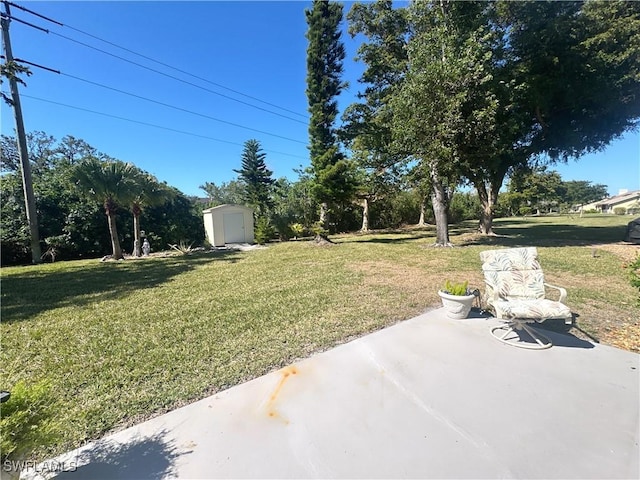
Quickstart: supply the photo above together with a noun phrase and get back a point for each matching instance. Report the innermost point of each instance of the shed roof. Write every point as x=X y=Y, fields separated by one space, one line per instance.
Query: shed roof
x=226 y=206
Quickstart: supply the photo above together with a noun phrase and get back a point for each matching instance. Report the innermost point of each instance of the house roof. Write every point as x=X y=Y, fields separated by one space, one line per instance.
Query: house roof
x=617 y=199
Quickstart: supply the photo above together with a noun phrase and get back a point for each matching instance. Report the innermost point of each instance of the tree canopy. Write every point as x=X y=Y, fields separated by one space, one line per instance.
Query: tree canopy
x=490 y=87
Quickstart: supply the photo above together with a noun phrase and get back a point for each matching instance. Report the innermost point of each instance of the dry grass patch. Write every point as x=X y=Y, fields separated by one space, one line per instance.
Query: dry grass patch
x=626 y=251
x=409 y=290
x=604 y=307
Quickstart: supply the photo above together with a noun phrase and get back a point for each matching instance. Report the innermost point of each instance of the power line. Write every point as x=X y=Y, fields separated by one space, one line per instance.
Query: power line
x=180 y=79
x=183 y=132
x=19 y=60
x=187 y=73
x=160 y=63
x=11 y=17
x=158 y=102
x=177 y=78
x=181 y=109
x=25 y=9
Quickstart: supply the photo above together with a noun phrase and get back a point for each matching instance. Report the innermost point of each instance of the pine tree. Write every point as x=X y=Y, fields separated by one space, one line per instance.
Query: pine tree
x=332 y=174
x=256 y=178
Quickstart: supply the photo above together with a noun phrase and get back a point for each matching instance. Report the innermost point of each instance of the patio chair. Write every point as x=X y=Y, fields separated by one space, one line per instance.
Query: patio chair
x=515 y=291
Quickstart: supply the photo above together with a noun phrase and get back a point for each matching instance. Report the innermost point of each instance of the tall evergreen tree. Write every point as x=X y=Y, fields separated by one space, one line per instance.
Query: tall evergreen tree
x=333 y=179
x=256 y=178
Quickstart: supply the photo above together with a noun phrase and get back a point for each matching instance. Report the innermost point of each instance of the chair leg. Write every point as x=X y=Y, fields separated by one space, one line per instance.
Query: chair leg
x=513 y=326
x=540 y=339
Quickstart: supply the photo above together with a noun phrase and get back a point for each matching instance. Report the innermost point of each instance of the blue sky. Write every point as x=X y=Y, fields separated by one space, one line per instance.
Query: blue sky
x=254 y=48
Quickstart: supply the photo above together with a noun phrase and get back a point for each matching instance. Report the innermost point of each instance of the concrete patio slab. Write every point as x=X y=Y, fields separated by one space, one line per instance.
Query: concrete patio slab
x=429 y=397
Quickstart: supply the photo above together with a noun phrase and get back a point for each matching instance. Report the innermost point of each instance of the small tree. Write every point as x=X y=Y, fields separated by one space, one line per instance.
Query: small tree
x=111 y=183
x=256 y=179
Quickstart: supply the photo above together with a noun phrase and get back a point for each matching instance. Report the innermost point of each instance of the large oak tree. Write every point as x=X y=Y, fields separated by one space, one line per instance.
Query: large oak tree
x=495 y=86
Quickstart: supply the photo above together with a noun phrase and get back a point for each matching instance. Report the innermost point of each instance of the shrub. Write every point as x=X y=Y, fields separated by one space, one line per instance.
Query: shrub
x=634 y=275
x=183 y=248
x=297 y=229
x=264 y=230
x=282 y=228
x=55 y=246
x=524 y=211
x=619 y=210
x=318 y=229
x=464 y=206
x=25 y=421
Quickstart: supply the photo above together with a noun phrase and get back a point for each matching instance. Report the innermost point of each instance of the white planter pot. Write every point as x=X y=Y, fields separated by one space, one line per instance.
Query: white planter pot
x=457 y=306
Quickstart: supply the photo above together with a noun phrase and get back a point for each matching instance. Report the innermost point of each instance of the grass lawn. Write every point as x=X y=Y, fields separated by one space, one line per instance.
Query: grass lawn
x=123 y=341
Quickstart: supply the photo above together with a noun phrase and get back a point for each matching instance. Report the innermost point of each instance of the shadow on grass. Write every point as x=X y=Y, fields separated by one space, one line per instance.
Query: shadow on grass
x=37 y=289
x=378 y=239
x=142 y=458
x=513 y=233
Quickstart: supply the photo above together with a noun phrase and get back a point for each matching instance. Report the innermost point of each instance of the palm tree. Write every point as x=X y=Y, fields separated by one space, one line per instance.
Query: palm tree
x=148 y=192
x=110 y=182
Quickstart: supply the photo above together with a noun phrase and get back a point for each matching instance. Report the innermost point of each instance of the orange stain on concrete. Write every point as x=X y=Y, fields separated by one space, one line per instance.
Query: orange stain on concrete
x=286 y=373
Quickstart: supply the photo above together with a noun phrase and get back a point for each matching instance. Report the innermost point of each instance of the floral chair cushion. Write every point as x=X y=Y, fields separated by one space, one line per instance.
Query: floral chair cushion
x=515 y=285
x=513 y=273
x=538 y=309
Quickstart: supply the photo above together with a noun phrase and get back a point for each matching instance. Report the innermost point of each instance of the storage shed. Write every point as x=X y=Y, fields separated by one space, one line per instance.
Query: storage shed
x=228 y=224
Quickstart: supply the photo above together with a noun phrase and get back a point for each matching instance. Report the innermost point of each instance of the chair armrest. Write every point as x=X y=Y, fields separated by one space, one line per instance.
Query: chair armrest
x=563 y=292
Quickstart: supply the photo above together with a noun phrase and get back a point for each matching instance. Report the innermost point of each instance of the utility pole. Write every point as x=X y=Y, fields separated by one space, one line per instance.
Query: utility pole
x=27 y=183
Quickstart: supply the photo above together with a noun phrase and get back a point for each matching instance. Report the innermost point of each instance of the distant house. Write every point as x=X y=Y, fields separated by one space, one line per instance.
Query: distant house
x=629 y=201
x=587 y=207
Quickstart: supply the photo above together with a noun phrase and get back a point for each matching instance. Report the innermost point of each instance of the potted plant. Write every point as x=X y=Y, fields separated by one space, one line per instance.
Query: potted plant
x=457 y=299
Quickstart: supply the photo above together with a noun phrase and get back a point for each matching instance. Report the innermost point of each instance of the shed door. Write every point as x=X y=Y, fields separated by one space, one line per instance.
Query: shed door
x=233 y=227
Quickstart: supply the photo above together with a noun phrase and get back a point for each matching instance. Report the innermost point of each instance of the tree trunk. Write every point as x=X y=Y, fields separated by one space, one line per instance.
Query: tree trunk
x=439 y=199
x=321 y=238
x=324 y=215
x=137 y=242
x=115 y=243
x=365 y=215
x=423 y=207
x=488 y=199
